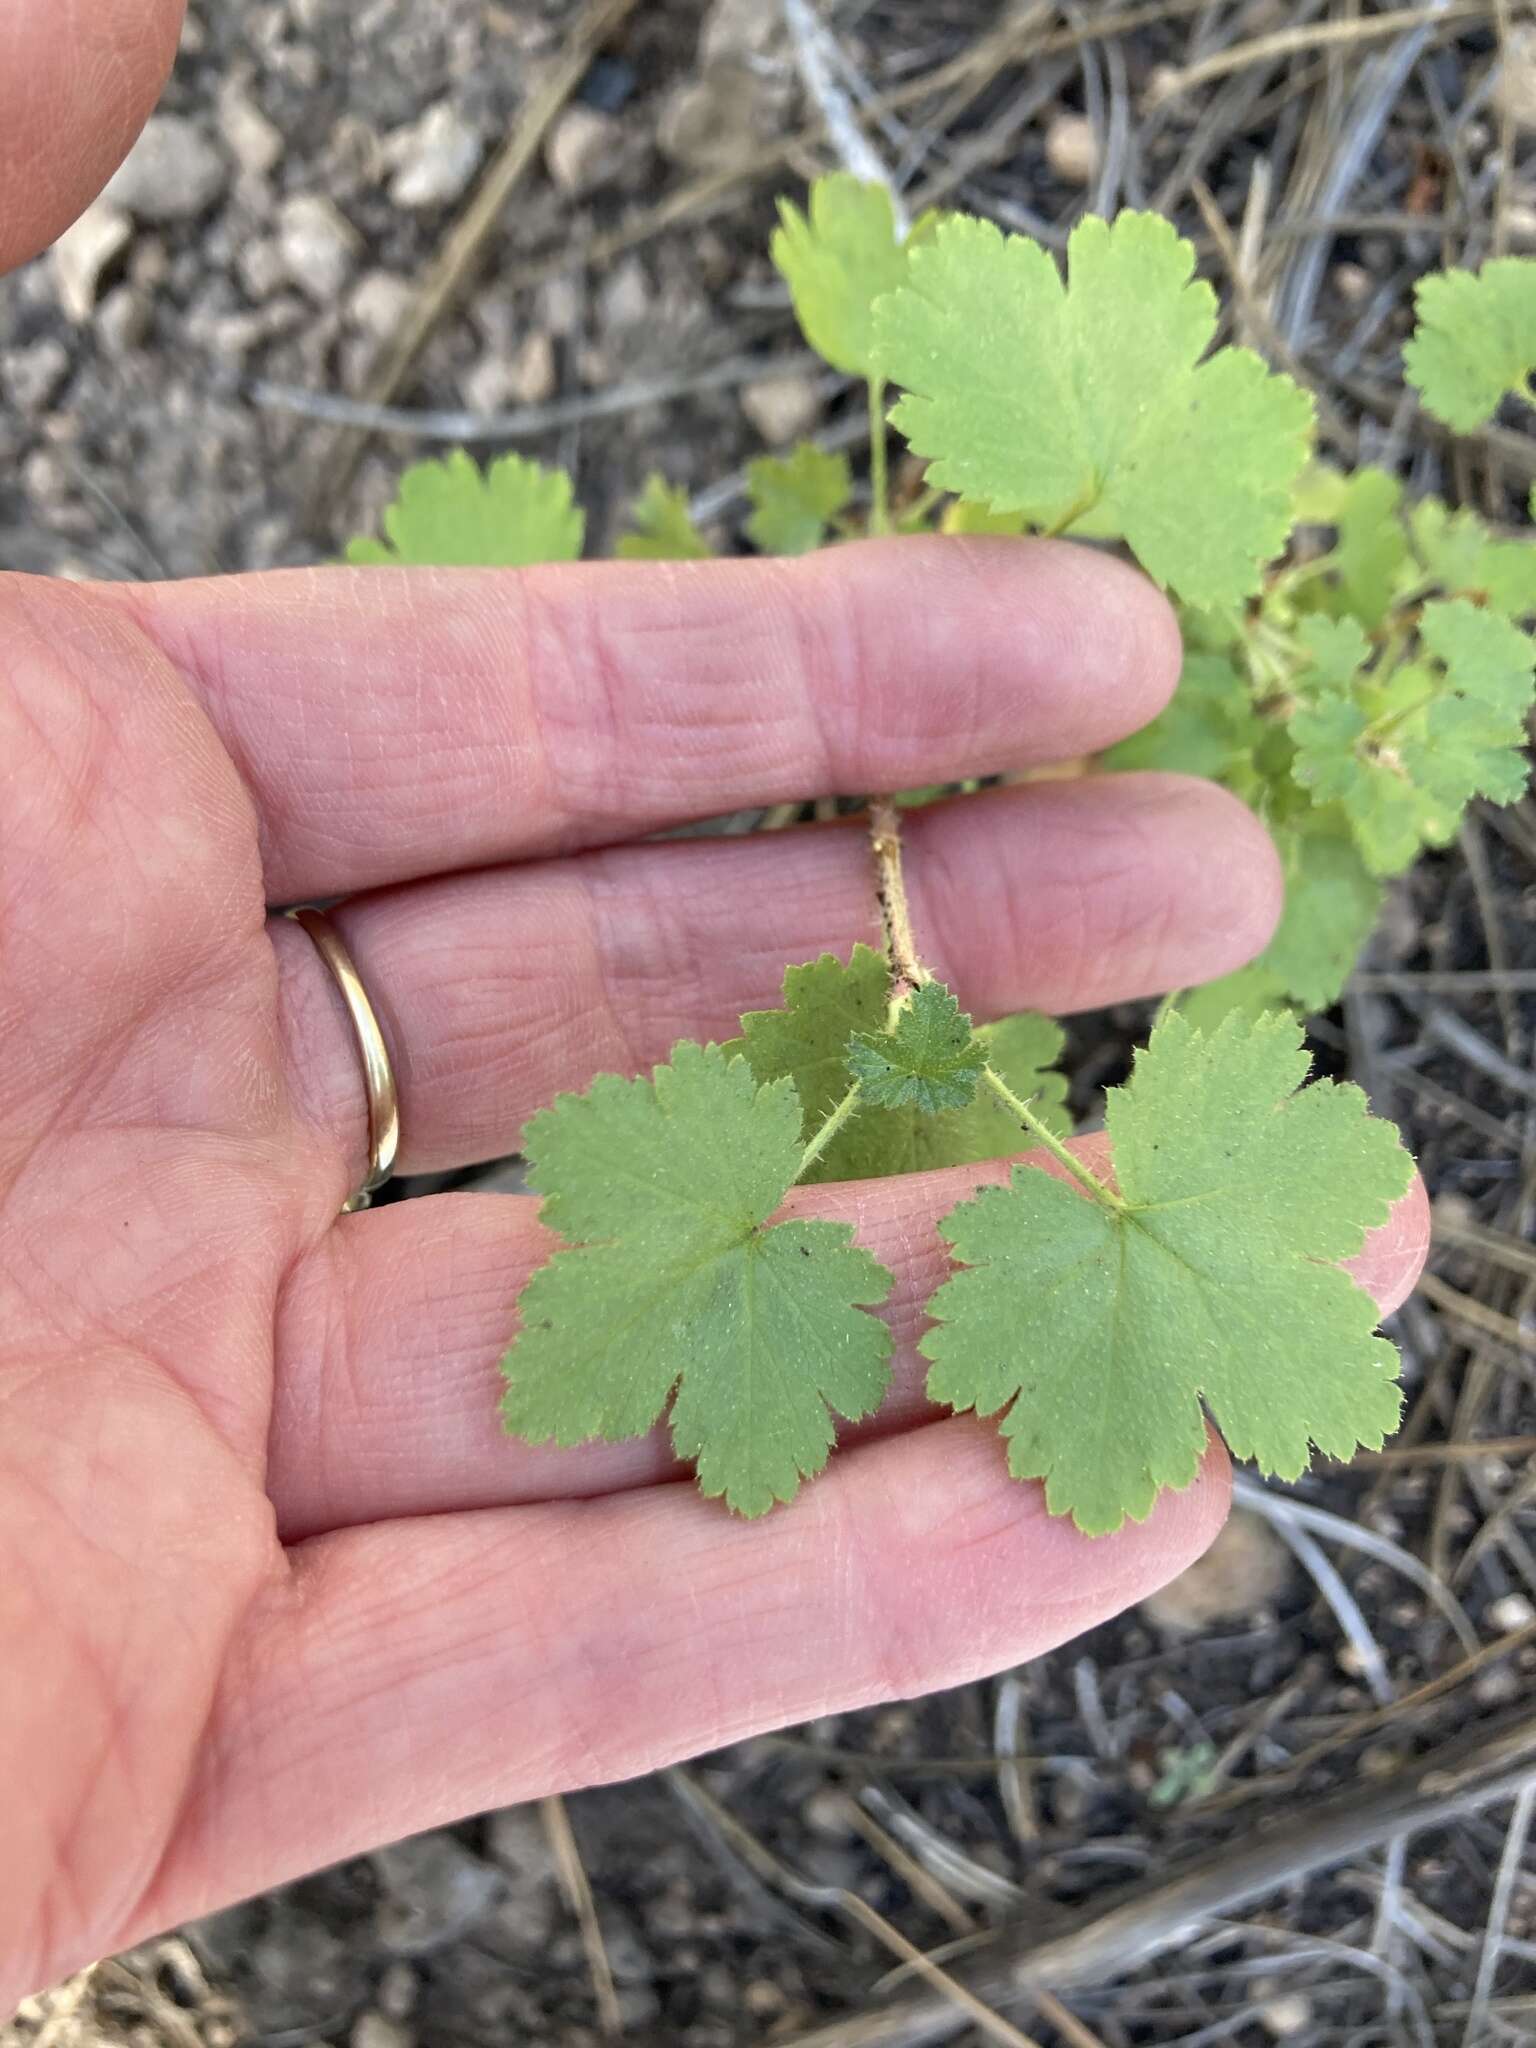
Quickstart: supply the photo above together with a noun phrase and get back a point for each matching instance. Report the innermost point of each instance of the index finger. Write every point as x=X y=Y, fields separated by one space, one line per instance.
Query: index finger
x=392 y=724
x=77 y=78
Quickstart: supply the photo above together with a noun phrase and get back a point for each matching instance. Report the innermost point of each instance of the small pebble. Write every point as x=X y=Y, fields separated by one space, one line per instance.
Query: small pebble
x=319 y=245
x=1072 y=149
x=255 y=143
x=84 y=253
x=1510 y=1612
x=782 y=408
x=172 y=172
x=377 y=2030
x=1243 y=1573
x=579 y=147
x=435 y=158
x=1284 y=2018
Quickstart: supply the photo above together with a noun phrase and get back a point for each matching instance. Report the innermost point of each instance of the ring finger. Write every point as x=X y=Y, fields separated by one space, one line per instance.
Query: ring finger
x=499 y=988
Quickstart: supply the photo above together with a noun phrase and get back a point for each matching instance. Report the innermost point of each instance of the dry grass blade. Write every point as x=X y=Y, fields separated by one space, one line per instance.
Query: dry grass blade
x=1498 y=1916
x=460 y=255
x=1446 y=1785
x=578 y=1892
x=1463 y=1309
x=1287 y=42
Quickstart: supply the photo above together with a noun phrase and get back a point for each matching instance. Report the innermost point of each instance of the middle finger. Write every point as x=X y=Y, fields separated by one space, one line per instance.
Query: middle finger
x=498 y=989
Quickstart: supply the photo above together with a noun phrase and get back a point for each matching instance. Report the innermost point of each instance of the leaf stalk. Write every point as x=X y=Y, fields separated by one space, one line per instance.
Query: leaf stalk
x=1100 y=1192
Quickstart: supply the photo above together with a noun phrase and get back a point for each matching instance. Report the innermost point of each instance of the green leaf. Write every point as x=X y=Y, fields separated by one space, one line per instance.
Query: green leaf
x=1338 y=763
x=678 y=1288
x=1099 y=1333
x=1208 y=729
x=1457 y=553
x=825 y=1005
x=929 y=1060
x=1472 y=736
x=837 y=261
x=1372 y=547
x=1088 y=407
x=1332 y=902
x=1475 y=340
x=962 y=515
x=1335 y=651
x=664 y=528
x=455 y=514
x=796 y=498
x=1251 y=992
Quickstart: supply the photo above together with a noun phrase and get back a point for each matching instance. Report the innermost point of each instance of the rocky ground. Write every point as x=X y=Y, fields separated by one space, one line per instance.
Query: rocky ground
x=165 y=380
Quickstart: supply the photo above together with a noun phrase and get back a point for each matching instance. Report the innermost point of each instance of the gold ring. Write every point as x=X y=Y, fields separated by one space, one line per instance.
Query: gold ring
x=378 y=1074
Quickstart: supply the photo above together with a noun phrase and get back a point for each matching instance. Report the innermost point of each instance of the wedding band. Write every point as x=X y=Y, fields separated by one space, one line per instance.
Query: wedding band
x=378 y=1074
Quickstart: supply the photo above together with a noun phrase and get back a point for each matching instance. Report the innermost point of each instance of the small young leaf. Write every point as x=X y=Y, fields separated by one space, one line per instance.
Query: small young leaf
x=930 y=1060
x=678 y=1288
x=837 y=262
x=1405 y=758
x=796 y=498
x=1457 y=553
x=825 y=1004
x=1208 y=729
x=455 y=514
x=1372 y=546
x=1088 y=406
x=1475 y=340
x=1101 y=1332
x=1331 y=903
x=1336 y=650
x=664 y=528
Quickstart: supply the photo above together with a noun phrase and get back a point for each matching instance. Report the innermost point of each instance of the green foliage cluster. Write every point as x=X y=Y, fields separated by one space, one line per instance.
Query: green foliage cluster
x=1356 y=669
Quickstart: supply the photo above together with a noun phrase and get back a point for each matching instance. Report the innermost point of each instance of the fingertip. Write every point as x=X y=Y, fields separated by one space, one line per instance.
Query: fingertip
x=1392 y=1258
x=77 y=83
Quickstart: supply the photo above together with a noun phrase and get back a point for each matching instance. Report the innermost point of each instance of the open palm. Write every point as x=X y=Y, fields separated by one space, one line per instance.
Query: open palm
x=273 y=1587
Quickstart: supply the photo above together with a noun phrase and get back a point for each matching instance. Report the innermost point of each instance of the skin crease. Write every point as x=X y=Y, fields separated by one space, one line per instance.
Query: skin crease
x=272 y=1589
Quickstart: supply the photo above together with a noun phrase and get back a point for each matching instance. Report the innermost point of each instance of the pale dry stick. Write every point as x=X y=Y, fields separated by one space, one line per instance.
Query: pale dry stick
x=1436 y=1790
x=1495 y=1245
x=1473 y=981
x=1269 y=338
x=451 y=424
x=907 y=970
x=460 y=254
x=1498 y=1914
x=856 y=153
x=1250 y=243
x=1015 y=1775
x=838 y=1899
x=1372 y=1718
x=1456 y=1033
x=1463 y=1309
x=1453 y=1453
x=983 y=59
x=572 y=1873
x=1285 y=42
x=918 y=1880
x=947 y=1862
x=1355 y=1536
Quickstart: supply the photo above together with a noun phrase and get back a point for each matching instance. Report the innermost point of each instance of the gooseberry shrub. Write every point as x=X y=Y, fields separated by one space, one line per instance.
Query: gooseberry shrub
x=1356 y=669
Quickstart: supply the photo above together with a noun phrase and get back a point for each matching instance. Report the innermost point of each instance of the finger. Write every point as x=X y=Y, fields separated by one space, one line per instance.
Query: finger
x=390 y=1334
x=394 y=724
x=77 y=81
x=498 y=989
x=411 y=1673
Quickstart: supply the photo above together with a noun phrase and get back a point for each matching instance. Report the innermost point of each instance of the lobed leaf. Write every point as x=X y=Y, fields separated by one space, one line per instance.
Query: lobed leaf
x=826 y=1004
x=664 y=529
x=1097 y=1335
x=1093 y=406
x=929 y=1059
x=837 y=259
x=795 y=499
x=453 y=513
x=675 y=1286
x=1475 y=341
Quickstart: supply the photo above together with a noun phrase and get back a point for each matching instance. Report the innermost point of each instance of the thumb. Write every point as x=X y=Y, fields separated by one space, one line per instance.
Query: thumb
x=77 y=81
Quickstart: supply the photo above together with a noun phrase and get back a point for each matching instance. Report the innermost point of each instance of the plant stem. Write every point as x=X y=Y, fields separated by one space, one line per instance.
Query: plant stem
x=1106 y=1196
x=879 y=468
x=828 y=1131
x=907 y=970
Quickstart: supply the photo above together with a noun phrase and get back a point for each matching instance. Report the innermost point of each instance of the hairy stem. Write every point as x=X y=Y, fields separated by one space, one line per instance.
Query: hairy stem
x=907 y=970
x=828 y=1131
x=879 y=468
x=1106 y=1196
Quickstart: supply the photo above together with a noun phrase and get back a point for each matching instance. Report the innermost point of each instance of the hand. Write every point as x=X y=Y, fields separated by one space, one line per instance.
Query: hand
x=273 y=1587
